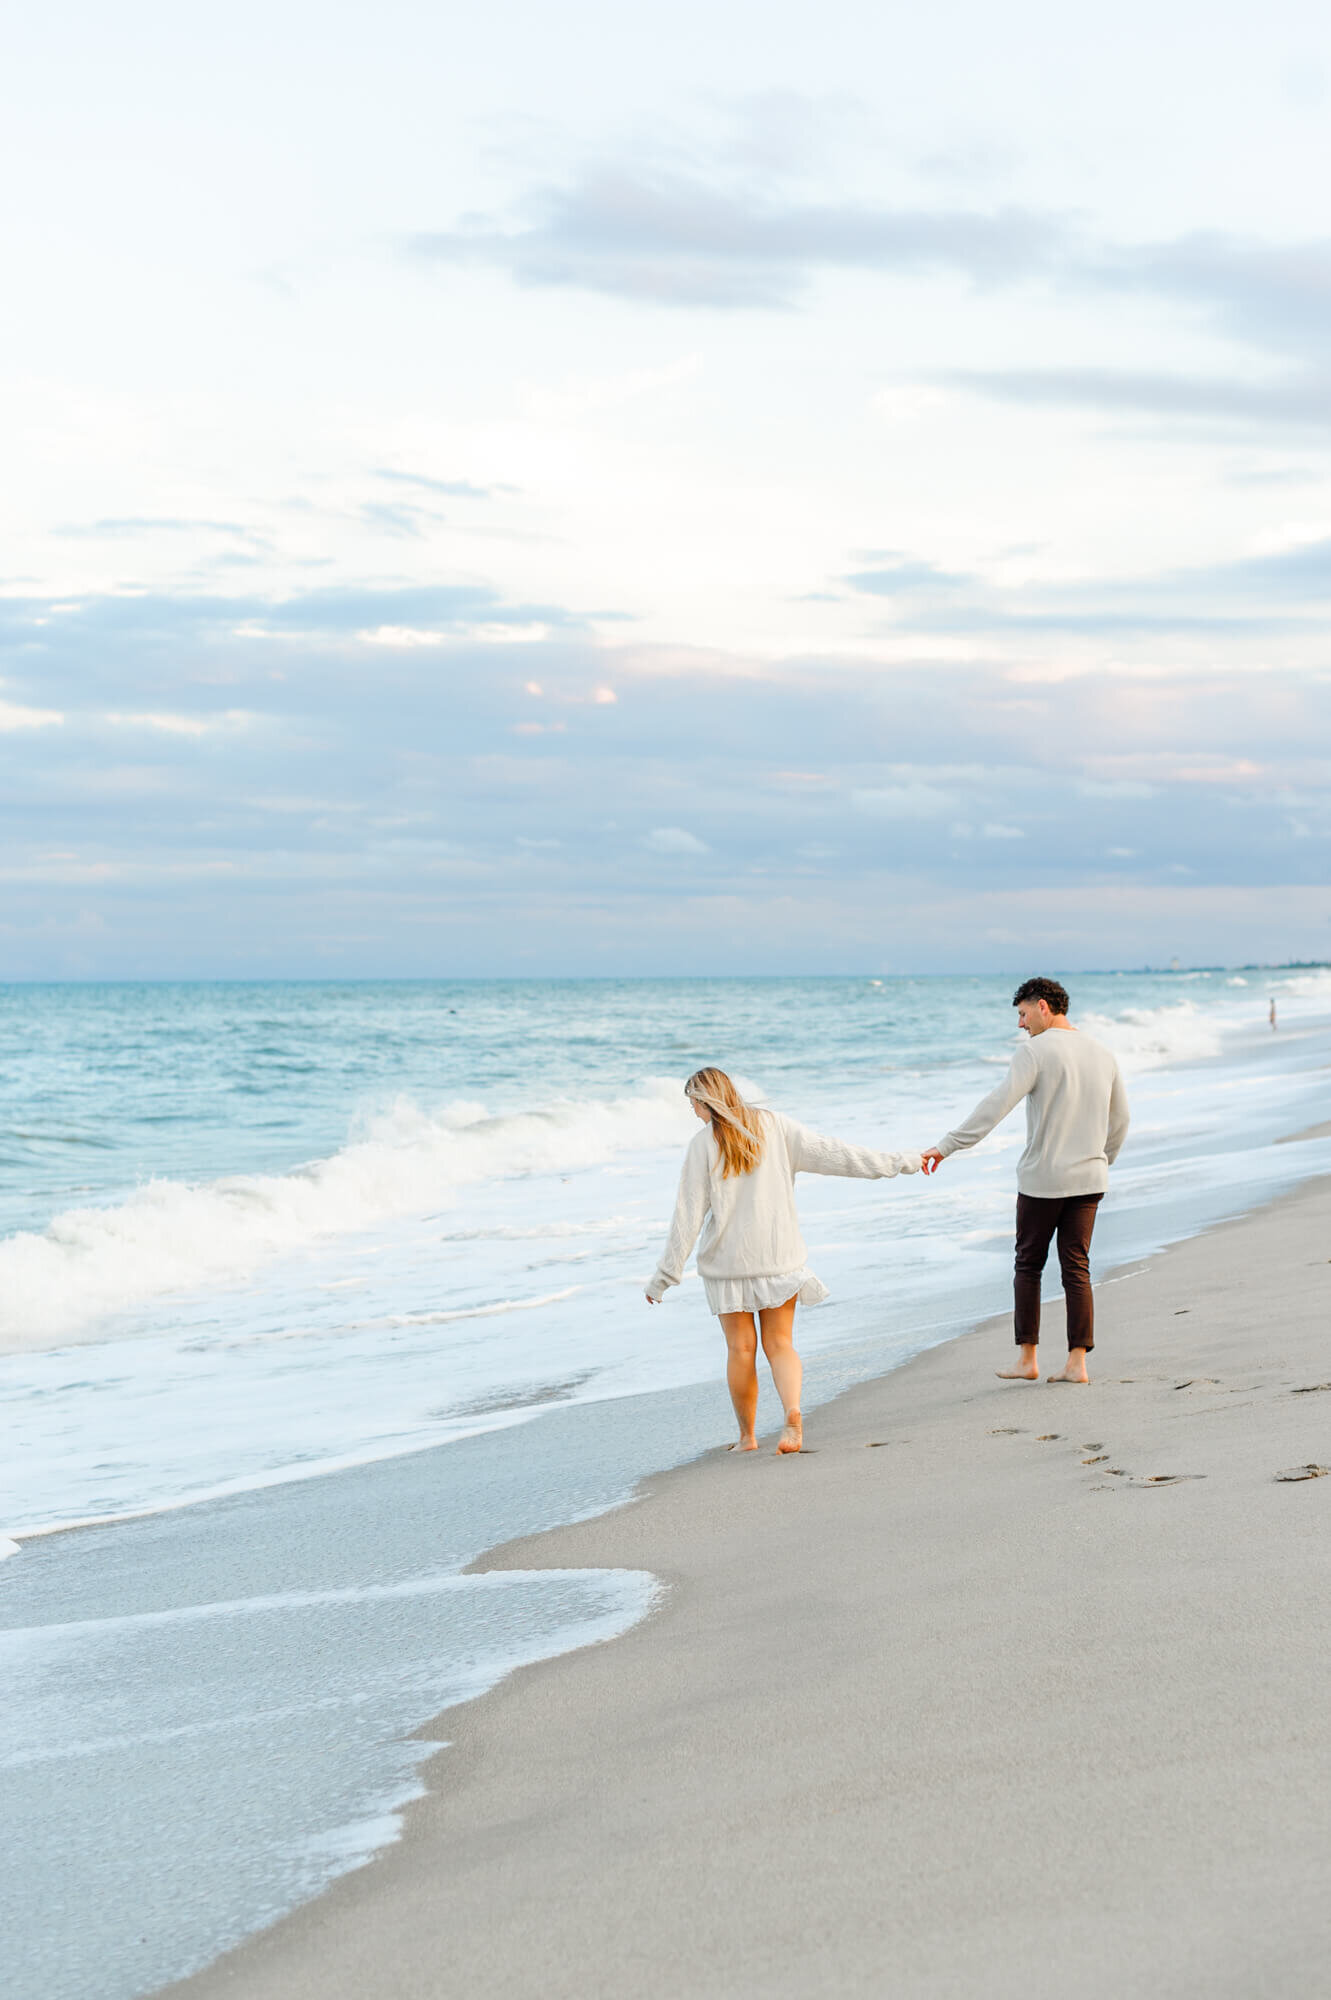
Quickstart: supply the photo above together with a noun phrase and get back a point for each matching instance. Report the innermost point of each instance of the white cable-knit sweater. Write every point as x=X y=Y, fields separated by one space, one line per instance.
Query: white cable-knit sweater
x=748 y=1221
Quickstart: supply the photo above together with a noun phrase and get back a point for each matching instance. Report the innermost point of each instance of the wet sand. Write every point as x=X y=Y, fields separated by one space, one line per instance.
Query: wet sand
x=1000 y=1689
x=1322 y=1131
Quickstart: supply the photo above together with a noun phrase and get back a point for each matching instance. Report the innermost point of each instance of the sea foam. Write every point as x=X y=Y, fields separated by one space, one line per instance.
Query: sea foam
x=170 y=1235
x=1149 y=1037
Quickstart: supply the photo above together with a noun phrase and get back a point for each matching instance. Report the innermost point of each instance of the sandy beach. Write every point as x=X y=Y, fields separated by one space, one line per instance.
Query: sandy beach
x=1000 y=1689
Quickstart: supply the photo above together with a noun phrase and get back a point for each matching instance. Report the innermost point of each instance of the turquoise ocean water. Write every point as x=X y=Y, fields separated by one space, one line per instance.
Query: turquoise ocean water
x=313 y=1292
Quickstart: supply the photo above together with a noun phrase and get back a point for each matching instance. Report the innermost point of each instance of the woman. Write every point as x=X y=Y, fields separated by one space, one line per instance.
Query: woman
x=737 y=1187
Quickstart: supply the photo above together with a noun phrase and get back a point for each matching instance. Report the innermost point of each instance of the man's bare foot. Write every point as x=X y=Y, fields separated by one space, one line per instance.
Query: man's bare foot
x=1026 y=1368
x=743 y=1444
x=1072 y=1373
x=792 y=1437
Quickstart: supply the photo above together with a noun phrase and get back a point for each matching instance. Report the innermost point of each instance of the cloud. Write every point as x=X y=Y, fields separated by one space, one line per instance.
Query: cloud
x=684 y=239
x=438 y=607
x=337 y=612
x=378 y=804
x=132 y=526
x=902 y=802
x=1301 y=397
x=899 y=576
x=673 y=840
x=397 y=519
x=452 y=489
x=184 y=725
x=1283 y=589
x=1272 y=295
x=13 y=716
x=729 y=231
x=1275 y=298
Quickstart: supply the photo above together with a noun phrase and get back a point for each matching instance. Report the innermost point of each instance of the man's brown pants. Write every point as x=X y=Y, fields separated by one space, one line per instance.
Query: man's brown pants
x=1039 y=1218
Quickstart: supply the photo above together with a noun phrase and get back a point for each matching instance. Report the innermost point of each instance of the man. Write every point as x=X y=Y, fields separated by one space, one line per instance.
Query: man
x=1076 y=1120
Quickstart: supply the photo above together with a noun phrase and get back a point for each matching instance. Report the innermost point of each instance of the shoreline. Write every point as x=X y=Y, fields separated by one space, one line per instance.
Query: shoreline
x=622 y=1768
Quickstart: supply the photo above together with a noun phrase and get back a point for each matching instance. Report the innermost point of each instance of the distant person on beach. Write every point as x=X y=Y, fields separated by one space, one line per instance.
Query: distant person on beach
x=1076 y=1121
x=1272 y=1016
x=737 y=1188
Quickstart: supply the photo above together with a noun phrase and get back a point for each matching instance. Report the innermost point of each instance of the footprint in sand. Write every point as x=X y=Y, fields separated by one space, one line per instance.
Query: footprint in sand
x=1096 y=1461
x=1152 y=1478
x=1304 y=1472
x=1313 y=1389
x=1006 y=1431
x=1048 y=1437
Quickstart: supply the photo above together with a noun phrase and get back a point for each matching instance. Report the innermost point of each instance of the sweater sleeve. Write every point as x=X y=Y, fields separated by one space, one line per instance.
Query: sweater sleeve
x=991 y=1110
x=691 y=1205
x=813 y=1153
x=1119 y=1118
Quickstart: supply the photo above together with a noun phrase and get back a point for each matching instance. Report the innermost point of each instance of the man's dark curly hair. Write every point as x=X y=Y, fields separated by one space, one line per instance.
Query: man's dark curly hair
x=1043 y=989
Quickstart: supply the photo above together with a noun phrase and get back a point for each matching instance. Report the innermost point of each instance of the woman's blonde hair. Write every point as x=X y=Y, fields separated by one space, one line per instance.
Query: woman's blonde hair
x=735 y=1124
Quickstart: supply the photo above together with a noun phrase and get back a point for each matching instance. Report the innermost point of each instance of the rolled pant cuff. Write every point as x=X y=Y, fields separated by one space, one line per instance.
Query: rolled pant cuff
x=1087 y=1347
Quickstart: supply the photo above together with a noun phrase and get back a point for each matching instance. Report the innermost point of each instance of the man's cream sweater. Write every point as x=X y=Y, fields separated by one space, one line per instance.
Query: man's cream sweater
x=1076 y=1114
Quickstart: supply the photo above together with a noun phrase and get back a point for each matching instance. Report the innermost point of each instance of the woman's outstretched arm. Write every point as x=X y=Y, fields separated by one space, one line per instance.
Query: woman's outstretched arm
x=691 y=1206
x=814 y=1153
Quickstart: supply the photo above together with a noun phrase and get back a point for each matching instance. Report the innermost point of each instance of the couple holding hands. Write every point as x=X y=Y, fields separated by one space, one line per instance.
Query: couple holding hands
x=736 y=1190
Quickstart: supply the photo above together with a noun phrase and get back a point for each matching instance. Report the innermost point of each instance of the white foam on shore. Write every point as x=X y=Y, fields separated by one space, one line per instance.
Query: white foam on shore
x=171 y=1235
x=1151 y=1037
x=638 y=1588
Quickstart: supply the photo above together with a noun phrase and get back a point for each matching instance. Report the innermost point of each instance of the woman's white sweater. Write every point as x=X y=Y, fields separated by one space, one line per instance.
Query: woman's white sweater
x=748 y=1221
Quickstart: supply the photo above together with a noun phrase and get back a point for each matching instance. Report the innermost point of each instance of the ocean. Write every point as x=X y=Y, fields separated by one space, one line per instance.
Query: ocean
x=310 y=1293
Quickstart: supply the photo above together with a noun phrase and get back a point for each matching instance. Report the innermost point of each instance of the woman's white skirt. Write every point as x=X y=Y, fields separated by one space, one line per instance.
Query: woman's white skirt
x=748 y=1295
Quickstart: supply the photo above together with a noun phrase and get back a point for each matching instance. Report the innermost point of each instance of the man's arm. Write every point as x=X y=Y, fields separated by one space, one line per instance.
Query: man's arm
x=1119 y=1118
x=994 y=1108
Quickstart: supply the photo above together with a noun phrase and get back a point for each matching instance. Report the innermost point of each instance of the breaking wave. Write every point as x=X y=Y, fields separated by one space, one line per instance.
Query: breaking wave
x=170 y=1236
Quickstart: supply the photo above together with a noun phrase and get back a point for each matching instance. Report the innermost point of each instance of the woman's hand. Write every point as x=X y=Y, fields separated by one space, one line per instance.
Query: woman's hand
x=931 y=1160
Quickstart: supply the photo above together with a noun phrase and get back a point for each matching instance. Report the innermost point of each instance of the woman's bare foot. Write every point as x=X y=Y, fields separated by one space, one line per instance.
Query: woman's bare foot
x=792 y=1437
x=1070 y=1374
x=743 y=1444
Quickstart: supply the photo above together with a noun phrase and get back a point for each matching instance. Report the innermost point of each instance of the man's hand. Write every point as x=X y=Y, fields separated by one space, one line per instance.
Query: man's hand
x=931 y=1160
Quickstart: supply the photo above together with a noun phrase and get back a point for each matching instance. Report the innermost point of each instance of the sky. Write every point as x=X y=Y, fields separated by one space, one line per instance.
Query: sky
x=628 y=490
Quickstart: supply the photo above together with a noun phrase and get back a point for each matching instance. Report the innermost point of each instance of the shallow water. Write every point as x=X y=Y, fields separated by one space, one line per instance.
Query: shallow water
x=261 y=1234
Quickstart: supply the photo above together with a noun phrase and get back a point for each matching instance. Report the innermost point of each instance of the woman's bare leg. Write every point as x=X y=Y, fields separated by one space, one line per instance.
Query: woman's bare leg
x=778 y=1323
x=742 y=1374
